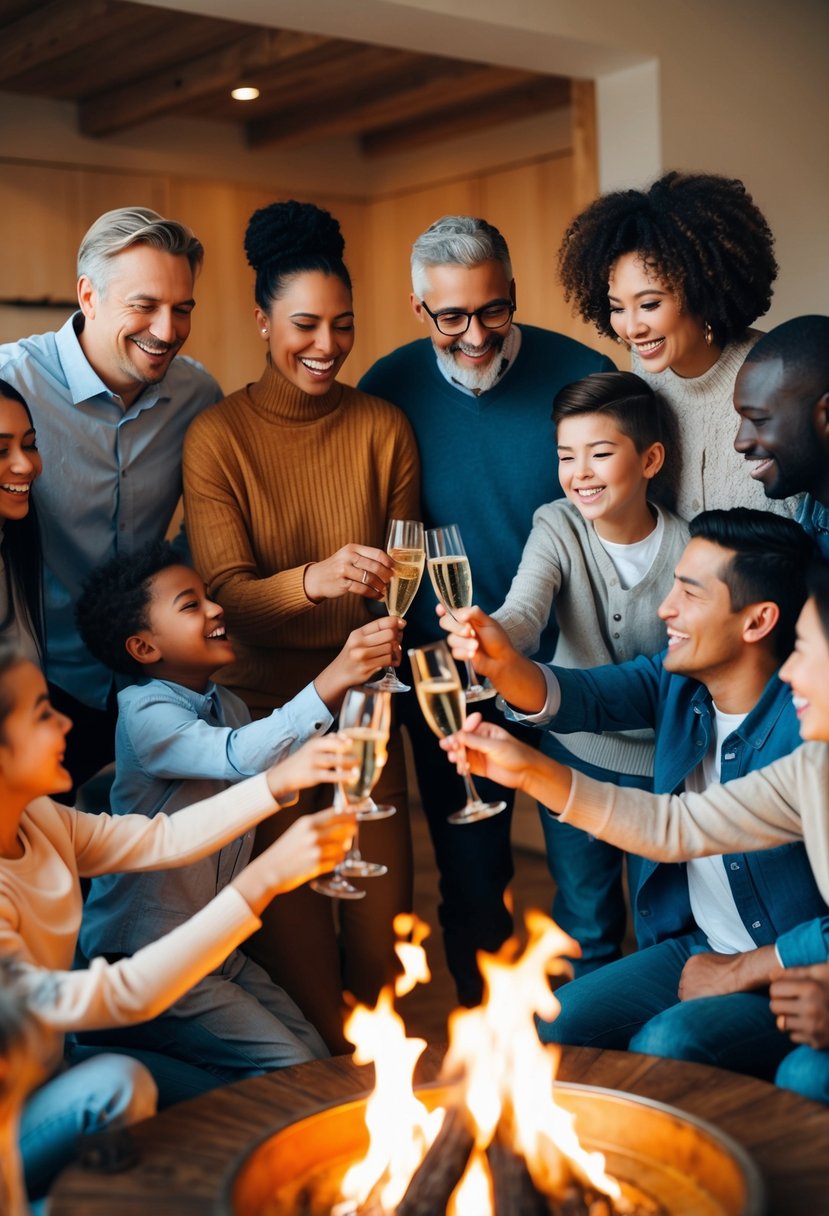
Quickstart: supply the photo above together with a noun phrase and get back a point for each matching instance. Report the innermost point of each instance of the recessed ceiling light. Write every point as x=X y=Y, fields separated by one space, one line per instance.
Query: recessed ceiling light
x=245 y=92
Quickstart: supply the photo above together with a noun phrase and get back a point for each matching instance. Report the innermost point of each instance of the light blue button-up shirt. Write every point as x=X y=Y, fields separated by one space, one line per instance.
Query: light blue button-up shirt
x=174 y=747
x=111 y=476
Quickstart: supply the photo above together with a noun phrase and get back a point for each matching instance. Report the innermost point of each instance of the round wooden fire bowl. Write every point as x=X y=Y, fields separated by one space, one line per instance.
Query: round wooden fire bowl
x=685 y=1166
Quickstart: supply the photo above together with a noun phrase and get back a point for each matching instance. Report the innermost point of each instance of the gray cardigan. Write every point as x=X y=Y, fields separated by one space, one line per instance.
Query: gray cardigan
x=565 y=566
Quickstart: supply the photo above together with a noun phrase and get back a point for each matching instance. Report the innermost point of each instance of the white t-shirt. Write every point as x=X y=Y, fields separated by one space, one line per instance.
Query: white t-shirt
x=712 y=901
x=632 y=562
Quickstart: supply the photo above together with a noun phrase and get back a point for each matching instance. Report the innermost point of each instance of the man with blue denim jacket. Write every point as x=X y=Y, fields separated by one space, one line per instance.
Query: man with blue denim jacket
x=782 y=397
x=707 y=929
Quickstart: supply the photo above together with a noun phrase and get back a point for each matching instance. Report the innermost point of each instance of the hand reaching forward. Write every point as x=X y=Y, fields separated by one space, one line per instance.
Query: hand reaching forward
x=367 y=649
x=477 y=637
x=490 y=751
x=322 y=760
x=352 y=570
x=313 y=845
x=800 y=999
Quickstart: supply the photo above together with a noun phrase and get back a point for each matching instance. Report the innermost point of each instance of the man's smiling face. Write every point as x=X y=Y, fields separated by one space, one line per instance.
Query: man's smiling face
x=778 y=431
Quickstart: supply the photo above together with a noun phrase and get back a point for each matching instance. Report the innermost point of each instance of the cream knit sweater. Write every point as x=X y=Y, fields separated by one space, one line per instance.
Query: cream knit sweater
x=41 y=905
x=702 y=469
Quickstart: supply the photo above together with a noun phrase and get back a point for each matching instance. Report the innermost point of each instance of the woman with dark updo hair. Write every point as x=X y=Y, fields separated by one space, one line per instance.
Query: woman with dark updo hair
x=677 y=274
x=289 y=484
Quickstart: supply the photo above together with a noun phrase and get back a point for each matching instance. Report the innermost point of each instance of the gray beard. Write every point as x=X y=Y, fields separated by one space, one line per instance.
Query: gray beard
x=479 y=380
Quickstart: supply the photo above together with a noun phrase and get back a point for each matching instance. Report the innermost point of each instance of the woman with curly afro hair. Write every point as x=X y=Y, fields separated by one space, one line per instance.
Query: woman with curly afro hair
x=289 y=484
x=678 y=274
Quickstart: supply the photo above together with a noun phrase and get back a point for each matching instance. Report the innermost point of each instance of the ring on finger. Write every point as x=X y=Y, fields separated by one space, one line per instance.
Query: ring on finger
x=365 y=577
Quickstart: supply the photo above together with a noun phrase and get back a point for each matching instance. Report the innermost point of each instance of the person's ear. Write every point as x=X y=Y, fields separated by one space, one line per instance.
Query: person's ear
x=512 y=295
x=87 y=296
x=821 y=416
x=653 y=459
x=417 y=308
x=142 y=649
x=262 y=322
x=760 y=620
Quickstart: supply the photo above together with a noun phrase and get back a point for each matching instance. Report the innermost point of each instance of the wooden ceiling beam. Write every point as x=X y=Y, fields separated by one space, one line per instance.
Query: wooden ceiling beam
x=213 y=73
x=543 y=93
x=46 y=33
x=430 y=84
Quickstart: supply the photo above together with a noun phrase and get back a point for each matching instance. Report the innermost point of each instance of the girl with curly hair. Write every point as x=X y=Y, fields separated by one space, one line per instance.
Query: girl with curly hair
x=289 y=484
x=678 y=274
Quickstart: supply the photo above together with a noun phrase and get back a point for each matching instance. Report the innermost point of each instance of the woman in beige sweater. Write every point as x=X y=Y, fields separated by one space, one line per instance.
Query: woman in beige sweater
x=288 y=485
x=46 y=848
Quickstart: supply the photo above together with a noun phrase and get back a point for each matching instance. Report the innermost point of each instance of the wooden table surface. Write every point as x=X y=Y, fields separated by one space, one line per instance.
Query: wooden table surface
x=185 y=1152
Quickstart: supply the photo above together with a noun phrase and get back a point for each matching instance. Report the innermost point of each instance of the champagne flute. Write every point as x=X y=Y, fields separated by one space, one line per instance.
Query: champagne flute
x=404 y=545
x=365 y=718
x=440 y=696
x=452 y=580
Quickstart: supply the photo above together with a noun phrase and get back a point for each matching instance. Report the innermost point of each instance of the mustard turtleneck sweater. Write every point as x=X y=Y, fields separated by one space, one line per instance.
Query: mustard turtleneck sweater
x=275 y=479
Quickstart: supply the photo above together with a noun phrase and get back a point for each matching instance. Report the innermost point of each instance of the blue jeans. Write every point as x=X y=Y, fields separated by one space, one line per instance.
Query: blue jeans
x=806 y=1071
x=234 y=1023
x=634 y=1004
x=103 y=1093
x=589 y=901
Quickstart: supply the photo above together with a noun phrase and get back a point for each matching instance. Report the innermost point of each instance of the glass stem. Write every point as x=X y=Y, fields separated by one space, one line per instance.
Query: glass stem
x=341 y=804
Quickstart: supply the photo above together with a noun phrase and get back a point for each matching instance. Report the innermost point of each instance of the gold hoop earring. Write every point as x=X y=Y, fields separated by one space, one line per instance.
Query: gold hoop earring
x=708 y=333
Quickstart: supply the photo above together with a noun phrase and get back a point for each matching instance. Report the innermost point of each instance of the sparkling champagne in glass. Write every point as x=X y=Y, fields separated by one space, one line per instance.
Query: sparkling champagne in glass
x=365 y=719
x=452 y=581
x=441 y=698
x=404 y=545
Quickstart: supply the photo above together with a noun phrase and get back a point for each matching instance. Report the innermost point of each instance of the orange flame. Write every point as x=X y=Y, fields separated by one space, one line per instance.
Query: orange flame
x=505 y=1076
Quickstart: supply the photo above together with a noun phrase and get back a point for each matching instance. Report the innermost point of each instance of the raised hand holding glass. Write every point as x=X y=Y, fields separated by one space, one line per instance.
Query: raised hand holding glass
x=404 y=545
x=441 y=698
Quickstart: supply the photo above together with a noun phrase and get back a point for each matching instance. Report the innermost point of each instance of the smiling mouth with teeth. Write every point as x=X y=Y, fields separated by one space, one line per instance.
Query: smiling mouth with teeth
x=317 y=365
x=646 y=347
x=590 y=491
x=18 y=489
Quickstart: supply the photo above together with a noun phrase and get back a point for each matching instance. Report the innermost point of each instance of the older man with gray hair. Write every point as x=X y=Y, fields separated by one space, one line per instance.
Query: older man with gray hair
x=111 y=403
x=478 y=393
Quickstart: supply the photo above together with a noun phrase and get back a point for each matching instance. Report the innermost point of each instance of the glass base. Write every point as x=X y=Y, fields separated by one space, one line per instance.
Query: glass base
x=356 y=867
x=473 y=811
x=390 y=683
x=479 y=692
x=367 y=814
x=336 y=887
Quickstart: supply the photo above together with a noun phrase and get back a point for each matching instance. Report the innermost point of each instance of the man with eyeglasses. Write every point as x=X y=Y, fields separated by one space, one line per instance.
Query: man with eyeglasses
x=479 y=396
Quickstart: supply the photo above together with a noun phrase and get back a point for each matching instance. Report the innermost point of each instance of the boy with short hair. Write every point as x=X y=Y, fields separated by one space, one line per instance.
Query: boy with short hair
x=180 y=737
x=602 y=558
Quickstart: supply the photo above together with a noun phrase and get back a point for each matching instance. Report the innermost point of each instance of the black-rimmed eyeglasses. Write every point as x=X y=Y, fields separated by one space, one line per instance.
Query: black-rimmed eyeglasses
x=452 y=322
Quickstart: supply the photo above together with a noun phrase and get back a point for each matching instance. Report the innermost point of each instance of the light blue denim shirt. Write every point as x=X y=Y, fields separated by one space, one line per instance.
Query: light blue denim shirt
x=174 y=747
x=111 y=477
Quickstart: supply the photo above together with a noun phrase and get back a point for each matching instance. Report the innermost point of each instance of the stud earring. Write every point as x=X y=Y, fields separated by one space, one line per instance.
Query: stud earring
x=622 y=342
x=708 y=333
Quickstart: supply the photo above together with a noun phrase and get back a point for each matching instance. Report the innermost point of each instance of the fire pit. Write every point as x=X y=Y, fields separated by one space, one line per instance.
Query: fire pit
x=665 y=1160
x=499 y=1136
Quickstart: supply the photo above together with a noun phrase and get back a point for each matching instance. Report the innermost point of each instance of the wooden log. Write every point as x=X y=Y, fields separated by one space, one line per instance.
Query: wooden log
x=513 y=1191
x=441 y=1169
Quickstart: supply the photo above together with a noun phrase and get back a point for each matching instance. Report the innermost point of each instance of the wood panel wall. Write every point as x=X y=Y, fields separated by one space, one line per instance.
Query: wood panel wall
x=47 y=208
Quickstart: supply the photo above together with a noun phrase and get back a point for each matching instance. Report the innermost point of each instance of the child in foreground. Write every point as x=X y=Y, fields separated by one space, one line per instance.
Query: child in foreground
x=45 y=849
x=181 y=737
x=603 y=559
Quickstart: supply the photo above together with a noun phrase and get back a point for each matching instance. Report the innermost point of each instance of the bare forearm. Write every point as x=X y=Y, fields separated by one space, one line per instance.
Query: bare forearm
x=521 y=683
